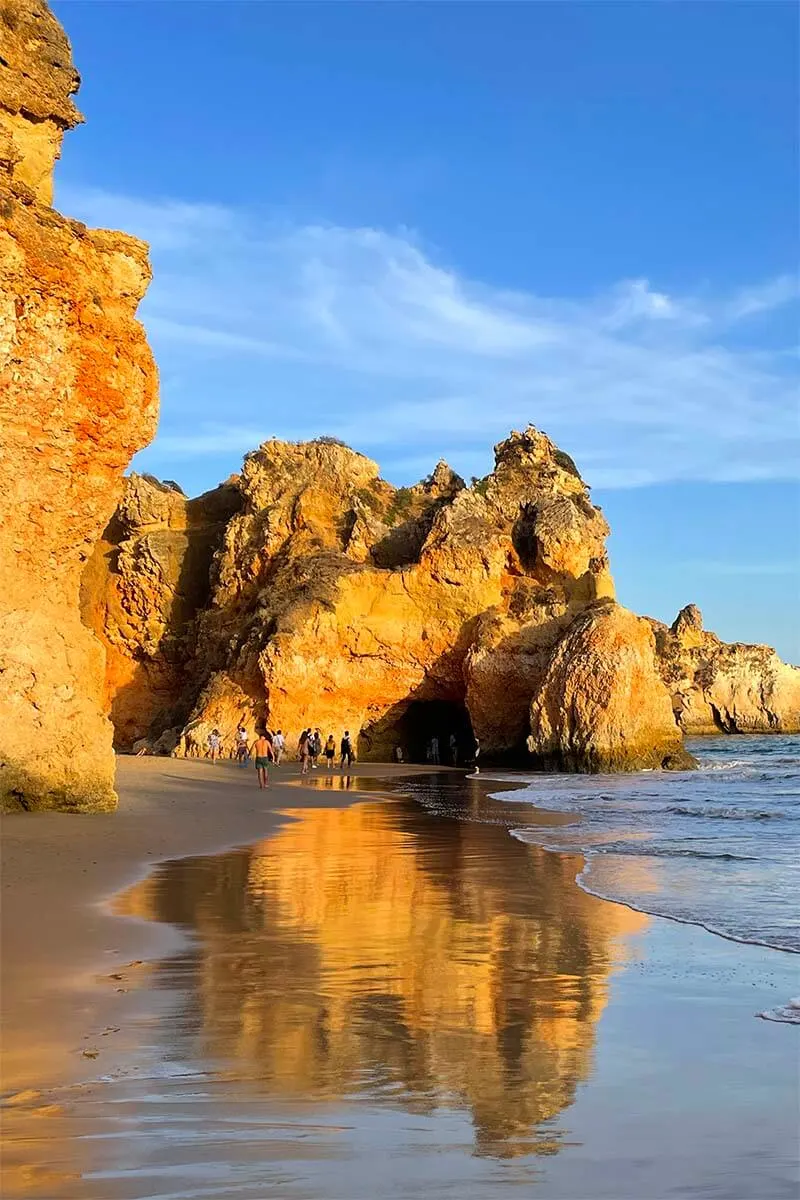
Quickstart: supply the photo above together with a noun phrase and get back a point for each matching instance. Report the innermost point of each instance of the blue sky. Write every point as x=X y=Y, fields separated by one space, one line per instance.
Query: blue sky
x=416 y=226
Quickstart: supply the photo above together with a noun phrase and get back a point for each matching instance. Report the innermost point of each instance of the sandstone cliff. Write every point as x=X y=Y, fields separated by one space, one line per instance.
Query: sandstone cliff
x=399 y=614
x=141 y=591
x=345 y=602
x=720 y=687
x=78 y=396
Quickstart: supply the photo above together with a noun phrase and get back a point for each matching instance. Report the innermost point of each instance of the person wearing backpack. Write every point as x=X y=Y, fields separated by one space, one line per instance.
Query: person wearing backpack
x=346 y=749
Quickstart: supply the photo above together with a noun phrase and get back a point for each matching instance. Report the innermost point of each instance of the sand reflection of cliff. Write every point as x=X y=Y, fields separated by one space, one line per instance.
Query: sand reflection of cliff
x=377 y=951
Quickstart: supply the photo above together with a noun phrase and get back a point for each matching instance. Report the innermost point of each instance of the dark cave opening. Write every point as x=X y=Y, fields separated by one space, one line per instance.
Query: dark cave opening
x=422 y=731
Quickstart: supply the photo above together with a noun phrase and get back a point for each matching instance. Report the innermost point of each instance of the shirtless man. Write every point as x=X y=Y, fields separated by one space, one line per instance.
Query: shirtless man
x=261 y=750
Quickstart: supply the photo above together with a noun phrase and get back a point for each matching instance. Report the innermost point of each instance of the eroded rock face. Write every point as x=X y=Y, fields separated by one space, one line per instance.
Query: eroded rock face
x=78 y=396
x=141 y=591
x=602 y=705
x=718 y=687
x=345 y=603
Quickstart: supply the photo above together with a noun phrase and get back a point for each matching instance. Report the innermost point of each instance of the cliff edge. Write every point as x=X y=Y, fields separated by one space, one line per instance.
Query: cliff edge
x=78 y=397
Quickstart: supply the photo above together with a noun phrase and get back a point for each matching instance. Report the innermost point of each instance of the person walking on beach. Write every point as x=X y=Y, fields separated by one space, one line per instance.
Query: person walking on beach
x=241 y=748
x=346 y=749
x=303 y=751
x=214 y=743
x=330 y=751
x=476 y=754
x=435 y=750
x=315 y=748
x=453 y=749
x=278 y=747
x=530 y=742
x=262 y=752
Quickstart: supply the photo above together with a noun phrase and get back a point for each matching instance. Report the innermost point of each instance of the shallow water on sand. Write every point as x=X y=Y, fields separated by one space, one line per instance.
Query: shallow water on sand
x=377 y=1001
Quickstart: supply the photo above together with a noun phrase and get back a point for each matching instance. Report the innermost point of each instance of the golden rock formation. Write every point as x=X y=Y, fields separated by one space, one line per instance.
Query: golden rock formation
x=140 y=593
x=373 y=950
x=399 y=614
x=78 y=396
x=340 y=601
x=602 y=705
x=344 y=601
x=718 y=687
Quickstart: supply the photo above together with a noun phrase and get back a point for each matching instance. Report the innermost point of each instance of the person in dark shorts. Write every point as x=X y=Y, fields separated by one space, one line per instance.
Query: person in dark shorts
x=330 y=751
x=261 y=750
x=346 y=748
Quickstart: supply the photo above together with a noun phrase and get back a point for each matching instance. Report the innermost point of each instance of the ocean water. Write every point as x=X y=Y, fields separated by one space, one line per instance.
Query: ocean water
x=718 y=847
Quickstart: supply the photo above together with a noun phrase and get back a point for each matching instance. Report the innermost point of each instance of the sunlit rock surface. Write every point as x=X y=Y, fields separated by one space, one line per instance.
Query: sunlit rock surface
x=339 y=600
x=146 y=581
x=309 y=591
x=78 y=396
x=602 y=705
x=721 y=687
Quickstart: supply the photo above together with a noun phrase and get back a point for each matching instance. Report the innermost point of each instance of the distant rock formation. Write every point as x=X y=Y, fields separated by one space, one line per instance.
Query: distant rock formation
x=144 y=585
x=78 y=396
x=397 y=613
x=720 y=687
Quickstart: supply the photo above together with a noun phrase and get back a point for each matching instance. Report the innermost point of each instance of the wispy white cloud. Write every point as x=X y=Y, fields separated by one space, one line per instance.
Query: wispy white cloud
x=763 y=297
x=269 y=328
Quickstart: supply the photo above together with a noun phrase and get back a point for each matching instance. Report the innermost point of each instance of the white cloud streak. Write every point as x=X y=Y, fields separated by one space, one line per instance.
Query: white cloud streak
x=356 y=332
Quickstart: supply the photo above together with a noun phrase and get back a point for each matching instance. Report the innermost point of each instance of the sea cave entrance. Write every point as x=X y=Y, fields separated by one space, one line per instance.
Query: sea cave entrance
x=421 y=731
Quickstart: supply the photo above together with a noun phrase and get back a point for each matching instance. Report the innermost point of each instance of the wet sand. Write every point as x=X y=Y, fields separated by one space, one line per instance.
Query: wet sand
x=366 y=1001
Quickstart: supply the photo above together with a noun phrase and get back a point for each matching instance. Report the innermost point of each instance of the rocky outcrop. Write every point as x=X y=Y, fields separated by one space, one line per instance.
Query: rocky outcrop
x=141 y=591
x=720 y=687
x=78 y=396
x=341 y=601
x=345 y=602
x=602 y=705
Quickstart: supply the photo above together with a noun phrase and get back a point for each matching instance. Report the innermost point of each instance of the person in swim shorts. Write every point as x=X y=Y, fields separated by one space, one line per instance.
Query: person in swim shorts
x=261 y=750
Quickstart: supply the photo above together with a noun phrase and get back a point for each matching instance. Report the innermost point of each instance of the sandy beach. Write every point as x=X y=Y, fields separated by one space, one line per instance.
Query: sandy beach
x=221 y=992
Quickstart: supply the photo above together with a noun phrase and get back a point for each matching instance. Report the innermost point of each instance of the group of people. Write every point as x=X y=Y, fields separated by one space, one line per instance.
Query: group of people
x=269 y=748
x=310 y=747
